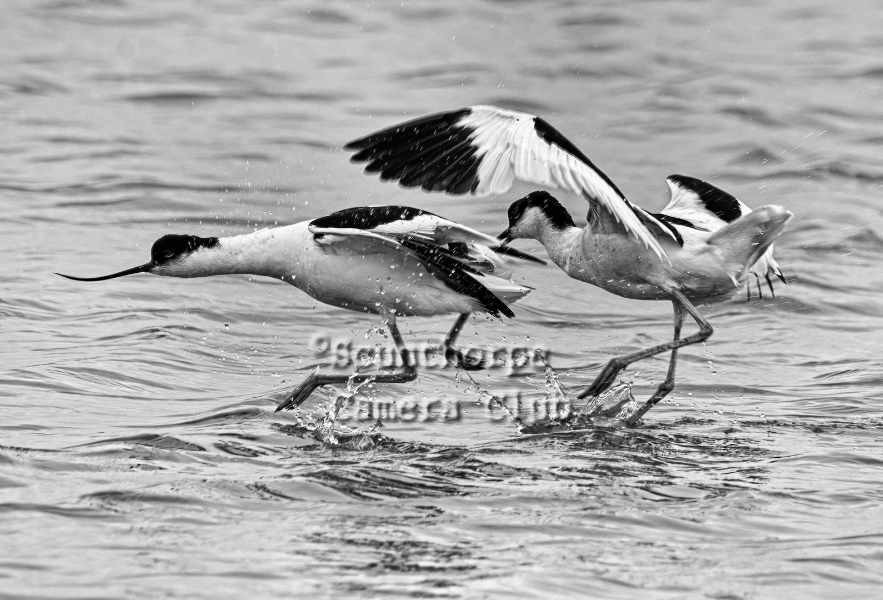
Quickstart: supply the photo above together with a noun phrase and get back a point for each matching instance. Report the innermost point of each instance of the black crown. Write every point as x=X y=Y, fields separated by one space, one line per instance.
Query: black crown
x=173 y=246
x=546 y=202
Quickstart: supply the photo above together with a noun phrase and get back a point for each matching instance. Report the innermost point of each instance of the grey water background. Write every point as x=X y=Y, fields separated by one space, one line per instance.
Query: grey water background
x=139 y=452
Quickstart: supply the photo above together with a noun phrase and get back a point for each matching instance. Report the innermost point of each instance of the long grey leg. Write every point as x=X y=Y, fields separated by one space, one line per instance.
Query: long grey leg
x=406 y=373
x=452 y=354
x=669 y=384
x=455 y=329
x=608 y=374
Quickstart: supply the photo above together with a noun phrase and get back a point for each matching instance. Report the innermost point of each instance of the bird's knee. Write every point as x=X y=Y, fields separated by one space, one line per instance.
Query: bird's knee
x=665 y=387
x=705 y=331
x=615 y=364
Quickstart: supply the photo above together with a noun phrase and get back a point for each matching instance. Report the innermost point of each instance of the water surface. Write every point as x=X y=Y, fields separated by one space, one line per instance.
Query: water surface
x=139 y=452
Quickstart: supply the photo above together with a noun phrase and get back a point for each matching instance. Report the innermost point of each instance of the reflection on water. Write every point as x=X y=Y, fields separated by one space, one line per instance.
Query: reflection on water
x=139 y=452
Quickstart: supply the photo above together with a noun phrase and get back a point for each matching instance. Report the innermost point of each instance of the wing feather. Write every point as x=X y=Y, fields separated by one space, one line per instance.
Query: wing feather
x=482 y=150
x=708 y=207
x=395 y=223
x=458 y=275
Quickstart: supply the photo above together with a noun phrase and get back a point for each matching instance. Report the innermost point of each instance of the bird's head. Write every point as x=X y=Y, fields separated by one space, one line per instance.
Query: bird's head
x=171 y=255
x=530 y=215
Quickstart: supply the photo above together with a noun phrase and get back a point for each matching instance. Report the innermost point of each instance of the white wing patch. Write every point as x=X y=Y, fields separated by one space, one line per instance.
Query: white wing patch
x=686 y=203
x=509 y=148
x=436 y=228
x=352 y=237
x=427 y=226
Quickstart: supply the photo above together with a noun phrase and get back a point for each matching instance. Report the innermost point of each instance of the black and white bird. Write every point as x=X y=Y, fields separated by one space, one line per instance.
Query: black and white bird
x=394 y=261
x=703 y=246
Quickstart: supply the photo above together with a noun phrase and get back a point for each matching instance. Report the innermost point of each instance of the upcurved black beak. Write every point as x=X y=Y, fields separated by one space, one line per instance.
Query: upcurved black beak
x=145 y=268
x=505 y=237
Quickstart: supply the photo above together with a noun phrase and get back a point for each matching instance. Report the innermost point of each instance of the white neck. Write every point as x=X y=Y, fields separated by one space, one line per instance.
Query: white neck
x=560 y=244
x=271 y=252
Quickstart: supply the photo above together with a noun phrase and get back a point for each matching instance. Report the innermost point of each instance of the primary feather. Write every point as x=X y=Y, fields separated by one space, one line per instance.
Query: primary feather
x=482 y=150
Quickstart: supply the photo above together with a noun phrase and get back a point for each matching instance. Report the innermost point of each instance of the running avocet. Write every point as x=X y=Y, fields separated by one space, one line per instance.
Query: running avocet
x=701 y=247
x=390 y=260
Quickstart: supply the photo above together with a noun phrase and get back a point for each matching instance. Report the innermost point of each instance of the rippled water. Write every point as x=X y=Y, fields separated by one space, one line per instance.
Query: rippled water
x=139 y=452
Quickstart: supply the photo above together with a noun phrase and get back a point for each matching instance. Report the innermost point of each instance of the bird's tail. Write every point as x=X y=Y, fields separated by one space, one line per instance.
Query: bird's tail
x=746 y=243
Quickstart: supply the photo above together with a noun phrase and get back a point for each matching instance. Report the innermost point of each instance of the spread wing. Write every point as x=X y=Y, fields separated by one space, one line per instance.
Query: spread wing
x=708 y=207
x=701 y=203
x=481 y=150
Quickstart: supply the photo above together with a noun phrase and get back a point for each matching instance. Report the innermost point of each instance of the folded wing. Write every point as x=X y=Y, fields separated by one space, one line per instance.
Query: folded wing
x=447 y=249
x=398 y=221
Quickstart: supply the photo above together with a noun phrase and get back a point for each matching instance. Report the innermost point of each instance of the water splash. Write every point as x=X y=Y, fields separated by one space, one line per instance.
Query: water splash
x=611 y=409
x=616 y=404
x=555 y=390
x=486 y=398
x=329 y=432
